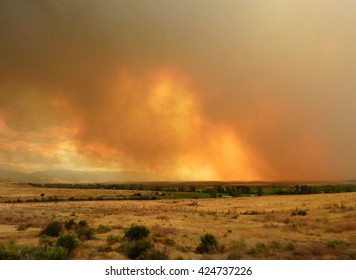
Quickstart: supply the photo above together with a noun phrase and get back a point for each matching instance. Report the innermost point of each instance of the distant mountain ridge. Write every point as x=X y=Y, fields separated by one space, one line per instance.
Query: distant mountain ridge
x=73 y=176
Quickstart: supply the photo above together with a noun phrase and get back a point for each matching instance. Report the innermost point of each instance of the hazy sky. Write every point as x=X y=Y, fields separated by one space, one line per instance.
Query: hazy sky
x=229 y=90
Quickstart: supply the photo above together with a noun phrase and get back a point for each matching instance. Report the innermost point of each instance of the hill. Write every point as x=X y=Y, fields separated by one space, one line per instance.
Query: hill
x=73 y=176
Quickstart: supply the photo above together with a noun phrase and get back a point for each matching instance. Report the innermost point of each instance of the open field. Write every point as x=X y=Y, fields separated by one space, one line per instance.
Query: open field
x=315 y=226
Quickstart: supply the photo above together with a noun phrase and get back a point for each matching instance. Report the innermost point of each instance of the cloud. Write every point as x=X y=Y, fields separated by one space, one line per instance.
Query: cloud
x=191 y=90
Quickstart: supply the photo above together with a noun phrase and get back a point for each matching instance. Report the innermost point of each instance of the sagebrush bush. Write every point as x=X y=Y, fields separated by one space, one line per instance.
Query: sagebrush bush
x=14 y=251
x=70 y=224
x=136 y=233
x=154 y=254
x=82 y=223
x=46 y=240
x=134 y=248
x=103 y=229
x=208 y=244
x=53 y=229
x=68 y=242
x=259 y=250
x=51 y=253
x=85 y=233
x=10 y=251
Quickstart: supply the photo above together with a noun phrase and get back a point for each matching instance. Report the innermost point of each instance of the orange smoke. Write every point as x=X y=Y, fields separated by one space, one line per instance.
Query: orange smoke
x=262 y=90
x=155 y=123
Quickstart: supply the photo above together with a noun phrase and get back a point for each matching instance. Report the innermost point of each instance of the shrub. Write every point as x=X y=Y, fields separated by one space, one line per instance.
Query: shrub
x=82 y=223
x=14 y=251
x=299 y=212
x=23 y=227
x=239 y=244
x=10 y=251
x=154 y=254
x=208 y=244
x=45 y=240
x=103 y=229
x=238 y=248
x=85 y=233
x=234 y=256
x=136 y=233
x=258 y=250
x=54 y=228
x=68 y=242
x=169 y=241
x=69 y=224
x=337 y=243
x=134 y=248
x=46 y=253
x=111 y=239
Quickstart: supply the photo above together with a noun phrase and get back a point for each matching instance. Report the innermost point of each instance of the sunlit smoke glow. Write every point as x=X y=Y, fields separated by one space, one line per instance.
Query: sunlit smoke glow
x=154 y=123
x=187 y=90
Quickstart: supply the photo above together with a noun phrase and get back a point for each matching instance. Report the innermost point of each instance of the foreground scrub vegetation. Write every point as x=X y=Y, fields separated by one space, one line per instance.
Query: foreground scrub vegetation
x=316 y=226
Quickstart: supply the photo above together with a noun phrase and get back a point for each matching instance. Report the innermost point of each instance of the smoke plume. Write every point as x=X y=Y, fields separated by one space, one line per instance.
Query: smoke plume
x=230 y=90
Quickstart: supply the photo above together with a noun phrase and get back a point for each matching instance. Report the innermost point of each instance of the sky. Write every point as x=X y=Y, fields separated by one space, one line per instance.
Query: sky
x=187 y=90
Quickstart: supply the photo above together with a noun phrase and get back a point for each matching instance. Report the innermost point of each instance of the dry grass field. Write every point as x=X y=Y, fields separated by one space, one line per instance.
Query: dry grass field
x=316 y=226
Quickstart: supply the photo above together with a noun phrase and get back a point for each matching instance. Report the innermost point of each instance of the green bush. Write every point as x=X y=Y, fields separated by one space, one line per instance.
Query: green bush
x=208 y=244
x=10 y=251
x=260 y=249
x=54 y=228
x=14 y=251
x=82 y=223
x=46 y=240
x=44 y=253
x=51 y=253
x=70 y=224
x=103 y=229
x=85 y=233
x=154 y=254
x=68 y=242
x=134 y=248
x=136 y=233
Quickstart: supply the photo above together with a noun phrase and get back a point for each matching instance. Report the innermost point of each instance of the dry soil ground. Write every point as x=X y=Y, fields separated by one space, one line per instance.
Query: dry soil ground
x=245 y=227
